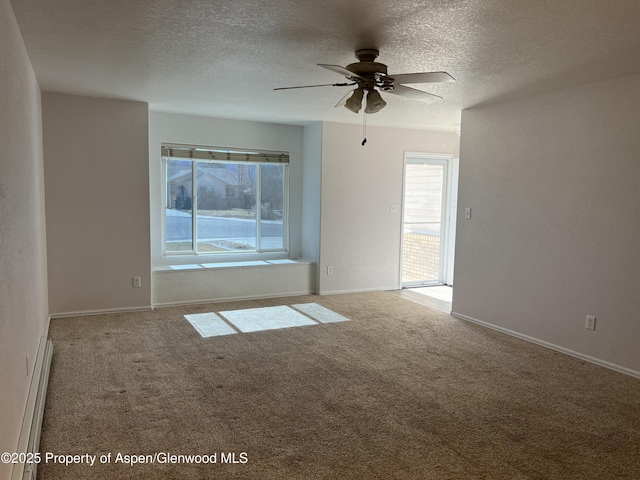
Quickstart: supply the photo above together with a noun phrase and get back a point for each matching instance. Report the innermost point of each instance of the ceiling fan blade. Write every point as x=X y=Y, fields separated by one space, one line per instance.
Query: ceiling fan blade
x=323 y=85
x=340 y=70
x=426 y=77
x=414 y=94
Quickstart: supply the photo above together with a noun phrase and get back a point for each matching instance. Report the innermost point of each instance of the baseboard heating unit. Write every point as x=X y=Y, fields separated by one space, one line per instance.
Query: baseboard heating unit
x=29 y=442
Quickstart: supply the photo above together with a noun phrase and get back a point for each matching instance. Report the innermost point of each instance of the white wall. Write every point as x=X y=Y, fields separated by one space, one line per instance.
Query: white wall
x=176 y=287
x=23 y=262
x=554 y=184
x=311 y=190
x=360 y=237
x=97 y=193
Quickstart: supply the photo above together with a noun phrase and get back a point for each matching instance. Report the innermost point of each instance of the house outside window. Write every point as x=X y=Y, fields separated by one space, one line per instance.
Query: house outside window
x=221 y=201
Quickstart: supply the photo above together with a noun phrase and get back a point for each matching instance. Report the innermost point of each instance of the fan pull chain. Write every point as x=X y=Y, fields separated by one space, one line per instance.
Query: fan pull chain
x=364 y=128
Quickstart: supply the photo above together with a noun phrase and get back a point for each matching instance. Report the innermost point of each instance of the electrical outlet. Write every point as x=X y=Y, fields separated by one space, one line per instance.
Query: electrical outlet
x=330 y=270
x=591 y=322
x=394 y=208
x=137 y=282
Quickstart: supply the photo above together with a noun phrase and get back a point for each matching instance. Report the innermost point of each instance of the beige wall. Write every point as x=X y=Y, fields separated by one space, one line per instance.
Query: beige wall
x=553 y=181
x=23 y=263
x=360 y=237
x=97 y=192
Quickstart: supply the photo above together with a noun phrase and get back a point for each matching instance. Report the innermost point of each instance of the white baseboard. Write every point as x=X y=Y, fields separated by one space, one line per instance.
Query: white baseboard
x=231 y=299
x=29 y=441
x=359 y=290
x=557 y=348
x=84 y=313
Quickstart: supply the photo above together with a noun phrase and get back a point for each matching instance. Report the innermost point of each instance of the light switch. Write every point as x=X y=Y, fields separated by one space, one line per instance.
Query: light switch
x=467 y=213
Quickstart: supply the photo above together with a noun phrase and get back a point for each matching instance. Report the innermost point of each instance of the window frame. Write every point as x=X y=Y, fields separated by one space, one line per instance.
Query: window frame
x=193 y=255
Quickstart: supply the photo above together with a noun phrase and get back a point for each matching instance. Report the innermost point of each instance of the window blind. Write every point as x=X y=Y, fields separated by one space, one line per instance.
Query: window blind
x=224 y=154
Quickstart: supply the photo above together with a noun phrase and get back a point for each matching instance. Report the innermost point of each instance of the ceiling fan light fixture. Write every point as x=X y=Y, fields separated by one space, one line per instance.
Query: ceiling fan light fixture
x=375 y=103
x=354 y=102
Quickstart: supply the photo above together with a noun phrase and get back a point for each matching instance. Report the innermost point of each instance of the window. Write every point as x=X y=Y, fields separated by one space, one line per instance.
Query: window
x=224 y=201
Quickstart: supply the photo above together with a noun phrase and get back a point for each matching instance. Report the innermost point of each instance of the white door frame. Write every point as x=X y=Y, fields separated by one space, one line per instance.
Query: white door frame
x=446 y=253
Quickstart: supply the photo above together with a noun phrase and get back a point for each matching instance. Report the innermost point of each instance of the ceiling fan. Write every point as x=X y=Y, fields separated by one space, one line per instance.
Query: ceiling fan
x=370 y=75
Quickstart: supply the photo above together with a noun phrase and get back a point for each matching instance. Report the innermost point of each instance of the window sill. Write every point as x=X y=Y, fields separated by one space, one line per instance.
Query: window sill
x=195 y=267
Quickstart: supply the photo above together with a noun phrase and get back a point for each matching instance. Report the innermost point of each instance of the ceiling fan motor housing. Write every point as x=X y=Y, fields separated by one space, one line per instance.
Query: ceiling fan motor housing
x=367 y=69
x=374 y=73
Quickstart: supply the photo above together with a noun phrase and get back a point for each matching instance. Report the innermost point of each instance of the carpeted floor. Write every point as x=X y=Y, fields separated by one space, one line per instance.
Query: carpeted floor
x=399 y=392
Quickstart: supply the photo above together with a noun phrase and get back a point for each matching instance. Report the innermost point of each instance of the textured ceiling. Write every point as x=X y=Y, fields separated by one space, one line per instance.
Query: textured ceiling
x=223 y=58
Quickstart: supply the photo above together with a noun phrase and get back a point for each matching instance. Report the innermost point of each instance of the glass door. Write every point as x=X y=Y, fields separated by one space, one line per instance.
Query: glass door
x=424 y=220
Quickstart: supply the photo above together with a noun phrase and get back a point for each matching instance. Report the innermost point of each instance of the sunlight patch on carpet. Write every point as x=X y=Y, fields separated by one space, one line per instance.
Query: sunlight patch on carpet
x=320 y=313
x=209 y=325
x=259 y=319
x=267 y=318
